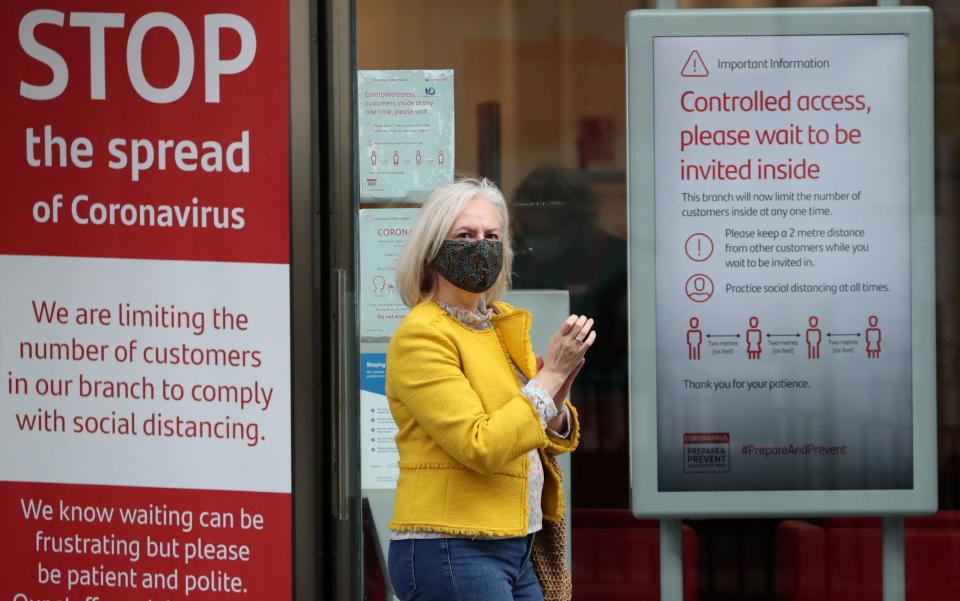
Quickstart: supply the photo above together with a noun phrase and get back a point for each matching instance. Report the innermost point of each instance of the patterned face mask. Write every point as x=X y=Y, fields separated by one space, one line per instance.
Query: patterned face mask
x=472 y=265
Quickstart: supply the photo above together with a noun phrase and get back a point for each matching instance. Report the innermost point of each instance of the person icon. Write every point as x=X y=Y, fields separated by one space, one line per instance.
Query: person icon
x=440 y=157
x=873 y=335
x=396 y=158
x=373 y=158
x=754 y=339
x=699 y=288
x=814 y=336
x=379 y=284
x=419 y=157
x=694 y=340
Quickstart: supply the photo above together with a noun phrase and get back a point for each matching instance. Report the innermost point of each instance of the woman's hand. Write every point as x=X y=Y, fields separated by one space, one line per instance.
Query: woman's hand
x=559 y=423
x=564 y=391
x=565 y=354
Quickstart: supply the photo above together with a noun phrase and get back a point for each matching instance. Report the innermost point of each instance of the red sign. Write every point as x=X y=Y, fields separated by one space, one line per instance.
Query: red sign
x=144 y=246
x=704 y=437
x=129 y=132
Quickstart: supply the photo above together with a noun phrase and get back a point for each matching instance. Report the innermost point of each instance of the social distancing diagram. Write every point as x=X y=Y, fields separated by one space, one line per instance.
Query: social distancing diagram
x=782 y=263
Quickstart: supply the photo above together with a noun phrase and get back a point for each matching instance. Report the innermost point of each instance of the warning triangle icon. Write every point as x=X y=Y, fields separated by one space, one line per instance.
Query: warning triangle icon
x=694 y=67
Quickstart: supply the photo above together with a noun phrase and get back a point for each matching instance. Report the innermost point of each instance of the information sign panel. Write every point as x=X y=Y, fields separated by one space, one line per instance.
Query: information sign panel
x=378 y=447
x=145 y=312
x=383 y=234
x=779 y=202
x=406 y=130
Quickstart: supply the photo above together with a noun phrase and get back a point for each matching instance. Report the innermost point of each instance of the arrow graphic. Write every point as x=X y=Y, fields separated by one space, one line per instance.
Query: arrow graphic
x=723 y=335
x=834 y=335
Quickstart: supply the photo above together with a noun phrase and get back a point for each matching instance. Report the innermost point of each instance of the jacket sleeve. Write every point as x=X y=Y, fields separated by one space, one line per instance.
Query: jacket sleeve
x=424 y=375
x=556 y=444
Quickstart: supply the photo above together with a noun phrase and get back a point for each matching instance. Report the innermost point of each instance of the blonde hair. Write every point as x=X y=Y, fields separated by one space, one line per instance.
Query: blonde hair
x=416 y=280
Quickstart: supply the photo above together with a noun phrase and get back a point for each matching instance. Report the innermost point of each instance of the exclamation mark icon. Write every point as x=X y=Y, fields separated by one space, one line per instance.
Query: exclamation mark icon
x=694 y=66
x=698 y=247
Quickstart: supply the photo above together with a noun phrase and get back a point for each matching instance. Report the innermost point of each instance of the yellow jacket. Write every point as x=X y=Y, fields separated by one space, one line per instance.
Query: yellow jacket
x=464 y=427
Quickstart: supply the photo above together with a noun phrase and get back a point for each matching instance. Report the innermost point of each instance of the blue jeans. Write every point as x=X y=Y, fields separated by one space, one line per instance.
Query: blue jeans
x=463 y=569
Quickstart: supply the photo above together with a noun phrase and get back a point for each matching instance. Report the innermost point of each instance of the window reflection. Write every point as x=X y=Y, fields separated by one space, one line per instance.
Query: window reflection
x=555 y=71
x=560 y=246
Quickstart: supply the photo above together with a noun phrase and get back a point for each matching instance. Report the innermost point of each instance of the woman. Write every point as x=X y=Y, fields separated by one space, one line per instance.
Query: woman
x=475 y=409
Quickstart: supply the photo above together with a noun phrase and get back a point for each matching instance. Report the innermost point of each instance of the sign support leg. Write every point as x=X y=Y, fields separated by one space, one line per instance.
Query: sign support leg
x=894 y=581
x=671 y=560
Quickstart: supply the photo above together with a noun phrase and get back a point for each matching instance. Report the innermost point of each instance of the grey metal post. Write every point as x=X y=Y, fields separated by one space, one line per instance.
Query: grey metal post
x=894 y=581
x=671 y=560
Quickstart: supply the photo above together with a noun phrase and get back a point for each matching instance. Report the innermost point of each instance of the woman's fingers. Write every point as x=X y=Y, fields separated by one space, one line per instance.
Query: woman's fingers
x=584 y=330
x=575 y=371
x=567 y=326
x=564 y=391
x=569 y=344
x=573 y=325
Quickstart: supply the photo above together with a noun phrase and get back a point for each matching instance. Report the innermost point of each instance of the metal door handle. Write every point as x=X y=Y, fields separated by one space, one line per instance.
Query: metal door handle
x=340 y=424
